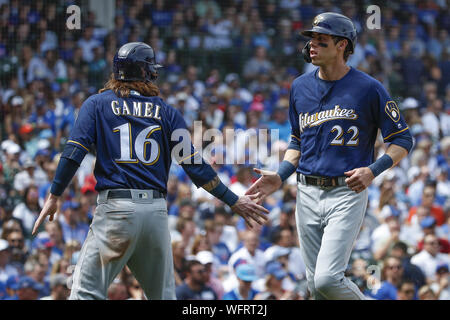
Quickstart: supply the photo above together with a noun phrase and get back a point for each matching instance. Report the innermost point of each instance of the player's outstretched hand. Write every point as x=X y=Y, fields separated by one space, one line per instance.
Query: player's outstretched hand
x=248 y=209
x=49 y=209
x=359 y=179
x=268 y=183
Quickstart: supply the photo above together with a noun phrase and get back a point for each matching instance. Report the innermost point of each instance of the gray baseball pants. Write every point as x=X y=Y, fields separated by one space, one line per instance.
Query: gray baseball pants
x=131 y=232
x=328 y=223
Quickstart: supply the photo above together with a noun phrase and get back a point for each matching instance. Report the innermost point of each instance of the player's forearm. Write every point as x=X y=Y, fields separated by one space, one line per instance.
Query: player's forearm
x=221 y=191
x=289 y=164
x=397 y=153
x=64 y=173
x=67 y=167
x=394 y=154
x=292 y=156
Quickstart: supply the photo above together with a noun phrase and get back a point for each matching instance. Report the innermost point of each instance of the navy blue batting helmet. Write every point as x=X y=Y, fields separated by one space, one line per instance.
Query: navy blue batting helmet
x=334 y=24
x=135 y=61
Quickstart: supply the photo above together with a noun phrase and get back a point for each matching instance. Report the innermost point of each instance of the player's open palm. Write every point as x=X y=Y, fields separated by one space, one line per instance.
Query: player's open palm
x=49 y=209
x=268 y=183
x=248 y=209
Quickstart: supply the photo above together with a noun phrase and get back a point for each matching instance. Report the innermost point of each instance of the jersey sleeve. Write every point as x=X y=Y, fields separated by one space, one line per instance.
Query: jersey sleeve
x=295 y=127
x=387 y=115
x=84 y=130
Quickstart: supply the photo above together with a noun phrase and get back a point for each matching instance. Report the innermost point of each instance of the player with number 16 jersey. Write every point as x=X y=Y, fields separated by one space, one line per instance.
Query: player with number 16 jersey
x=135 y=134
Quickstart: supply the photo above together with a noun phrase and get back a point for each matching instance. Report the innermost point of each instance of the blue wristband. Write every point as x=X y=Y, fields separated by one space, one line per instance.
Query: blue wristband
x=285 y=170
x=382 y=164
x=222 y=192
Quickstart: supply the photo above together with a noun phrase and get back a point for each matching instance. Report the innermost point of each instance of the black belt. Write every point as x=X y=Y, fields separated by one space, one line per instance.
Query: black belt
x=126 y=194
x=322 y=181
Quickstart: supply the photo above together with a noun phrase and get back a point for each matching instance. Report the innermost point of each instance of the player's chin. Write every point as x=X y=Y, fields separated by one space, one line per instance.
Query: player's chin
x=316 y=61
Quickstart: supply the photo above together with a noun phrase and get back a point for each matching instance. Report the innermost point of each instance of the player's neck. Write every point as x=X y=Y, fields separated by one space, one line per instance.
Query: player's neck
x=333 y=72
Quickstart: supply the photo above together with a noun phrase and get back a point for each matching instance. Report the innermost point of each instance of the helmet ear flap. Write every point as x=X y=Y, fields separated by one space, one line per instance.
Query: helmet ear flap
x=152 y=73
x=305 y=52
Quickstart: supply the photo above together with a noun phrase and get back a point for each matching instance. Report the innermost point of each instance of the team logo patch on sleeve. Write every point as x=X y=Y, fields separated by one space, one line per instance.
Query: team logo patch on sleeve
x=392 y=111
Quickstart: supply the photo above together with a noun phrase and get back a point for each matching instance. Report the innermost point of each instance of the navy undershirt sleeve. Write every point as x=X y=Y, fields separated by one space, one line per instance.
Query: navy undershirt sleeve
x=69 y=162
x=64 y=173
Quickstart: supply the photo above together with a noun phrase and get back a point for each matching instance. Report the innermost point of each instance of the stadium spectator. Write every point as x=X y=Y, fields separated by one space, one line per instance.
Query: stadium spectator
x=245 y=274
x=428 y=201
x=58 y=286
x=194 y=286
x=429 y=258
x=6 y=269
x=72 y=227
x=428 y=225
x=179 y=261
x=250 y=253
x=27 y=289
x=410 y=271
x=273 y=289
x=392 y=274
x=441 y=286
x=206 y=258
x=406 y=290
x=28 y=211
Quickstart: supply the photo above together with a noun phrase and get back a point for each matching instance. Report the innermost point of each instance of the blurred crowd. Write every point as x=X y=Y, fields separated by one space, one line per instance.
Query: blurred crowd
x=229 y=64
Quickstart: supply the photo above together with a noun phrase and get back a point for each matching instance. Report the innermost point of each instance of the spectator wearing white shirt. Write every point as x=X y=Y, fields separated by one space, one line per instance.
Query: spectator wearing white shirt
x=249 y=253
x=6 y=270
x=429 y=258
x=28 y=210
x=31 y=175
x=387 y=233
x=435 y=120
x=441 y=286
x=88 y=43
x=244 y=181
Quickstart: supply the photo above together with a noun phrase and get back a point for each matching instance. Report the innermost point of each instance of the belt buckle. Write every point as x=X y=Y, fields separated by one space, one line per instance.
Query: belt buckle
x=322 y=185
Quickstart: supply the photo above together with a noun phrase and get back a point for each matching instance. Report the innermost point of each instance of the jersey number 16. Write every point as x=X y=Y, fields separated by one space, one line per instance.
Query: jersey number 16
x=140 y=145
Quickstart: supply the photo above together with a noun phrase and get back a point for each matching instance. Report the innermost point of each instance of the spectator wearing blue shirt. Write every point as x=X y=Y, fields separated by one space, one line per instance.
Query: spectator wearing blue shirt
x=220 y=250
x=11 y=288
x=73 y=228
x=69 y=116
x=3 y=293
x=27 y=289
x=194 y=286
x=246 y=274
x=281 y=123
x=392 y=274
x=43 y=117
x=161 y=17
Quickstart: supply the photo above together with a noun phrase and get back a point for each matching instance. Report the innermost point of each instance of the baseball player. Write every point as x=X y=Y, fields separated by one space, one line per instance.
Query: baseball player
x=335 y=113
x=134 y=134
